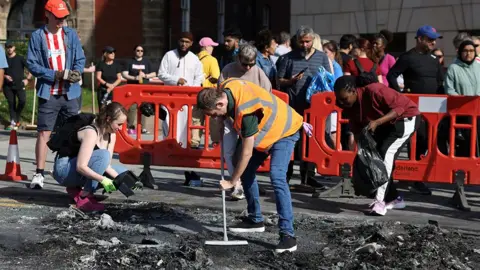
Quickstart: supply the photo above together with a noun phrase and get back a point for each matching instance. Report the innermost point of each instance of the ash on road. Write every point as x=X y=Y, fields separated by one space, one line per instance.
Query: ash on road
x=159 y=236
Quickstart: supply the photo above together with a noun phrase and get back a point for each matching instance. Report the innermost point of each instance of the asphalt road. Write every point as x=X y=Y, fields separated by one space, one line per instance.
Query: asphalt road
x=166 y=228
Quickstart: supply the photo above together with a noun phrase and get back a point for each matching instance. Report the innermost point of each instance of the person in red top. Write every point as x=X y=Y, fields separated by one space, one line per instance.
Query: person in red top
x=390 y=116
x=364 y=59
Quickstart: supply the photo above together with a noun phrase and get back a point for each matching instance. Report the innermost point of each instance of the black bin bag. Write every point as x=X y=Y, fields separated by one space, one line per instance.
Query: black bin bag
x=369 y=171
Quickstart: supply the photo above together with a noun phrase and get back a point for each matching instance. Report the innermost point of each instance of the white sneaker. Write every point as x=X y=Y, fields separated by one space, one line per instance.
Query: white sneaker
x=37 y=181
x=238 y=193
x=379 y=209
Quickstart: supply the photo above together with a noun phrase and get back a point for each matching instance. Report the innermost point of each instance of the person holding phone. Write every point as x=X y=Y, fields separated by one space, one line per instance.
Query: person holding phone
x=295 y=71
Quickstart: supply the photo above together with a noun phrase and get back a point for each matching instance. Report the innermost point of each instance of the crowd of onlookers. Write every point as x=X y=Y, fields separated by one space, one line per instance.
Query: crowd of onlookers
x=367 y=81
x=275 y=61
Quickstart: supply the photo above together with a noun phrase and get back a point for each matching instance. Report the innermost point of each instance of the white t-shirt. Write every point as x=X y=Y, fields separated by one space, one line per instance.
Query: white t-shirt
x=188 y=67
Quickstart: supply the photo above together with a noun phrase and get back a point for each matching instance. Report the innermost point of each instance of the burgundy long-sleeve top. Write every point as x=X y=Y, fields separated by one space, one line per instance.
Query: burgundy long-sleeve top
x=376 y=100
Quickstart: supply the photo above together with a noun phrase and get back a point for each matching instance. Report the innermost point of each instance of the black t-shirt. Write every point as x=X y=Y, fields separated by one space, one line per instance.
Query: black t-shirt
x=345 y=58
x=109 y=72
x=134 y=67
x=16 y=67
x=422 y=73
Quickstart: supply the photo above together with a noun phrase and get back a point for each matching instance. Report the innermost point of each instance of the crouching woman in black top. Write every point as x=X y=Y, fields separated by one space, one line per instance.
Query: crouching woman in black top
x=92 y=165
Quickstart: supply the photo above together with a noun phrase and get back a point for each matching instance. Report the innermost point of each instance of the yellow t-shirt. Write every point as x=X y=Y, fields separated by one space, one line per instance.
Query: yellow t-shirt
x=210 y=68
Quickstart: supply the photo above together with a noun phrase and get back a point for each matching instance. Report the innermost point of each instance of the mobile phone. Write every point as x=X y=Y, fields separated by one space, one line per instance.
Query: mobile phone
x=301 y=72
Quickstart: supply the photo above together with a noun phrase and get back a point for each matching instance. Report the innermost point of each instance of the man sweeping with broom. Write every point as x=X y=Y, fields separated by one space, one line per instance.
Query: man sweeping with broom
x=268 y=127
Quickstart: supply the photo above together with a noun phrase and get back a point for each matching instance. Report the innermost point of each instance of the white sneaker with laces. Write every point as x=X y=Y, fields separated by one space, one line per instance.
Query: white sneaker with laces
x=37 y=181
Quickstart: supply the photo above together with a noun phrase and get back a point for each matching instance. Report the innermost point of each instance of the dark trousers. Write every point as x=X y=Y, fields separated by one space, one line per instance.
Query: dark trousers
x=101 y=92
x=390 y=139
x=15 y=108
x=422 y=138
x=307 y=169
x=463 y=138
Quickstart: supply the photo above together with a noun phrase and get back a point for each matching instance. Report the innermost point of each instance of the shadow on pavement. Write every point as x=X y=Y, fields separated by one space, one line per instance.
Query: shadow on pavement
x=20 y=133
x=177 y=186
x=39 y=197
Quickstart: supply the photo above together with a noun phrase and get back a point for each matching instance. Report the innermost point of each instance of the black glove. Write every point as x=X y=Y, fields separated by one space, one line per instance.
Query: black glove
x=59 y=75
x=74 y=76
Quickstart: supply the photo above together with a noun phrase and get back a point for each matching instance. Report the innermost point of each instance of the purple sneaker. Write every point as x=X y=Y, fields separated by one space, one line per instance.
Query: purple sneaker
x=398 y=203
x=132 y=131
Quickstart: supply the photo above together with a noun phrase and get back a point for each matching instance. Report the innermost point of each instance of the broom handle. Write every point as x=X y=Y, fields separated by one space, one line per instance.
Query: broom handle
x=93 y=92
x=222 y=173
x=34 y=101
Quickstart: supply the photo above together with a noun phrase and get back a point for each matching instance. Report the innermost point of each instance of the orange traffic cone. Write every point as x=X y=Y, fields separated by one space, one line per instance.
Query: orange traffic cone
x=12 y=168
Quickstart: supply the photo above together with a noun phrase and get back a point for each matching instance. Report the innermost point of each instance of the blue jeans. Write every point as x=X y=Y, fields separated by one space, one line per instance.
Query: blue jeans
x=280 y=153
x=65 y=170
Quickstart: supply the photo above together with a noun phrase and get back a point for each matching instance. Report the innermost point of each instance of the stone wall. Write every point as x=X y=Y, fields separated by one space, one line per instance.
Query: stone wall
x=154 y=30
x=4 y=10
x=332 y=19
x=86 y=26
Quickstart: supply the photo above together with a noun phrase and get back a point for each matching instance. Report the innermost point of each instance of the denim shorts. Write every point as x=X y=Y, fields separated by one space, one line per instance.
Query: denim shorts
x=56 y=107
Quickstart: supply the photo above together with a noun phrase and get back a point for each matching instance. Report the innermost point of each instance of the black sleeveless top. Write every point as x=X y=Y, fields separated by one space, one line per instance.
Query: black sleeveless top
x=75 y=143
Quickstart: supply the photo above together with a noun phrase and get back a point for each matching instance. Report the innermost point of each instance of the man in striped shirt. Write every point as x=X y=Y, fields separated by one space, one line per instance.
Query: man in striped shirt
x=55 y=57
x=295 y=72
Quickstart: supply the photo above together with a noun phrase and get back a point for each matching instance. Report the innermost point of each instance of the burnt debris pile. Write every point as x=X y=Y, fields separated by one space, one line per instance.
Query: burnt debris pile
x=158 y=236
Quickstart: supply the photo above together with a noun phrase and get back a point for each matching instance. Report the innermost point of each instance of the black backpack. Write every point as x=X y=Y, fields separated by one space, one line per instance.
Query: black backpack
x=365 y=78
x=64 y=141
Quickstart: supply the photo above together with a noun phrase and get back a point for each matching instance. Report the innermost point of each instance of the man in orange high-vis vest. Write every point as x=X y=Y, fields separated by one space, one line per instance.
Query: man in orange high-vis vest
x=267 y=126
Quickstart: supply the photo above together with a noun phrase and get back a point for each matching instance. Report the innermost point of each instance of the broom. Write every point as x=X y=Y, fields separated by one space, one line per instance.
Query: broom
x=225 y=241
x=32 y=125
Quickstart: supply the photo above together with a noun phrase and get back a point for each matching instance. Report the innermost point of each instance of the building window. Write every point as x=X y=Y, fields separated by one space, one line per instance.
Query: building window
x=266 y=17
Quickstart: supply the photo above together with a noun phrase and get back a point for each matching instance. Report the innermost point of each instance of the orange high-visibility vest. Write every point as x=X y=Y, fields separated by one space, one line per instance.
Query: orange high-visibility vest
x=279 y=119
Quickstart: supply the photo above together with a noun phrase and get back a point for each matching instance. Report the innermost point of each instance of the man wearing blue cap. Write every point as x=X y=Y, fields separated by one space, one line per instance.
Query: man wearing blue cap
x=422 y=74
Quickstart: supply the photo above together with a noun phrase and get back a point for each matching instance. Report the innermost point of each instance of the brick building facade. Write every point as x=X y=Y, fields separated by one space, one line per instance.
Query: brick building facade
x=154 y=23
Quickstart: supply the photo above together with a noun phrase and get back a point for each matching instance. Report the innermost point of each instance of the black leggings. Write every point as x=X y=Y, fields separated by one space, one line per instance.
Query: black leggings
x=15 y=108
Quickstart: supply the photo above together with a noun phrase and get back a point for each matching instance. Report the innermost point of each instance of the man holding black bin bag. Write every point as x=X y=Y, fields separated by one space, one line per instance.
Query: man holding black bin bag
x=391 y=118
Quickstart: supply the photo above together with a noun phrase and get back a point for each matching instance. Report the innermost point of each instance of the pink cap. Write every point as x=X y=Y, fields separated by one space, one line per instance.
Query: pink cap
x=206 y=41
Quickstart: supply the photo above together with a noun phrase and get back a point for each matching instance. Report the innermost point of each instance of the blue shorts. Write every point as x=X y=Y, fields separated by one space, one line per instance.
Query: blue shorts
x=56 y=107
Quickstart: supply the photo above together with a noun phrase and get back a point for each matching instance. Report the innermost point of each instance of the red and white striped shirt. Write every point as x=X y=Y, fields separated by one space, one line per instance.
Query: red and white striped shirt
x=56 y=57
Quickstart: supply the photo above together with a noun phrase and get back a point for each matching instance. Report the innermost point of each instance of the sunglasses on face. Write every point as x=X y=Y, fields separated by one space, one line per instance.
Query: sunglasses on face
x=248 y=64
x=439 y=55
x=139 y=50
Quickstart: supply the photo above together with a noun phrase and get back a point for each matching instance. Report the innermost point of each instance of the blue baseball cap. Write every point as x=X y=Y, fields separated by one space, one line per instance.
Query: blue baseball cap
x=428 y=31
